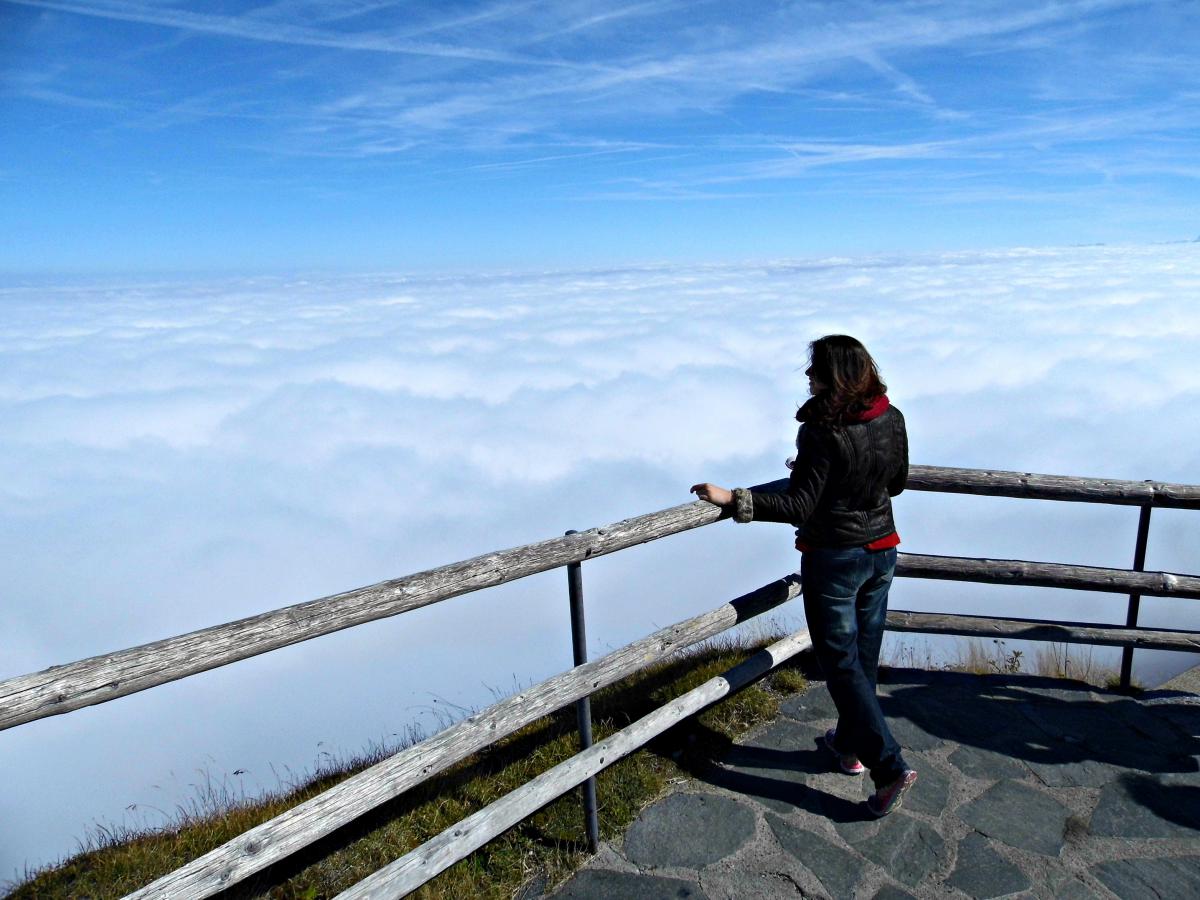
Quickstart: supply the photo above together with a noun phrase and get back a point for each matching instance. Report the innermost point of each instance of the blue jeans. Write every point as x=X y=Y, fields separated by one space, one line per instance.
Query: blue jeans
x=845 y=603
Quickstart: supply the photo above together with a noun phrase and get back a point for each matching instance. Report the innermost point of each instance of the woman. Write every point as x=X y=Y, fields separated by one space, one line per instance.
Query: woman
x=851 y=459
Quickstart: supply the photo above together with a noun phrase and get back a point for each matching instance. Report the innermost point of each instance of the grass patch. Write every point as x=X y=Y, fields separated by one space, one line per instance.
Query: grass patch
x=1074 y=662
x=541 y=850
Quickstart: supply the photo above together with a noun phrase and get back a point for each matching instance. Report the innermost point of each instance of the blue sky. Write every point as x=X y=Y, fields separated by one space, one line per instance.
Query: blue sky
x=352 y=134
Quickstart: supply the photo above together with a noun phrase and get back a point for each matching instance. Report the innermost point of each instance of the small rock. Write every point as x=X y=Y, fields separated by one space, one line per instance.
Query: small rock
x=1019 y=816
x=837 y=869
x=1142 y=806
x=604 y=884
x=982 y=873
x=1165 y=878
x=814 y=705
x=976 y=762
x=689 y=831
x=908 y=849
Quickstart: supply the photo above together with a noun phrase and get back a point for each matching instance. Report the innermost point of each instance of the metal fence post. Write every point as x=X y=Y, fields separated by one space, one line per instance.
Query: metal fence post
x=1135 y=599
x=583 y=706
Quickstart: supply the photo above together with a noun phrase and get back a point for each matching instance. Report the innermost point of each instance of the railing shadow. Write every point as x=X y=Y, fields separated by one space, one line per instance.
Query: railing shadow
x=1038 y=720
x=1062 y=733
x=1178 y=804
x=781 y=793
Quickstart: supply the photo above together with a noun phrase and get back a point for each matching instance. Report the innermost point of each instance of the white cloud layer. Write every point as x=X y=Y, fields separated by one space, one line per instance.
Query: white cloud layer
x=178 y=454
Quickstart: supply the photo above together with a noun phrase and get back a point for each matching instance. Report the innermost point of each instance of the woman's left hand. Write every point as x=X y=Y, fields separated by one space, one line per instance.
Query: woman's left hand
x=712 y=493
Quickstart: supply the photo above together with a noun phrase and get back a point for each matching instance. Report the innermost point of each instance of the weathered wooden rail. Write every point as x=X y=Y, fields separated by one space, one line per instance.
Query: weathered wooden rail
x=1044 y=630
x=98 y=679
x=1147 y=495
x=300 y=826
x=439 y=853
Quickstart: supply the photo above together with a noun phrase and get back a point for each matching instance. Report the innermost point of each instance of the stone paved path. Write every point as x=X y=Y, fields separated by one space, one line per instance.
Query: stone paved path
x=1028 y=788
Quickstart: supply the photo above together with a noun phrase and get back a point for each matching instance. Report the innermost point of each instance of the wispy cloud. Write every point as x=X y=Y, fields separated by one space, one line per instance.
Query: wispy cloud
x=359 y=104
x=602 y=150
x=665 y=69
x=270 y=31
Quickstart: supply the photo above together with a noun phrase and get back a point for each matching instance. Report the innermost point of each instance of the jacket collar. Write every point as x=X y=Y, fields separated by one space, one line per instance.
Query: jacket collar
x=877 y=408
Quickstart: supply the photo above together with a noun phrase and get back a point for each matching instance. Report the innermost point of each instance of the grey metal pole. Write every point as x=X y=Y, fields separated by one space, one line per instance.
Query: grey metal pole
x=1135 y=600
x=583 y=706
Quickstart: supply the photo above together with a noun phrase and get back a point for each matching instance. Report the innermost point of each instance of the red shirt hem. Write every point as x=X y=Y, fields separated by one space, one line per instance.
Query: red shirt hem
x=883 y=543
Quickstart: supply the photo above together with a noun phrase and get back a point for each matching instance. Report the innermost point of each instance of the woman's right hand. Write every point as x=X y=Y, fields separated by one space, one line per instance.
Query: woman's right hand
x=712 y=493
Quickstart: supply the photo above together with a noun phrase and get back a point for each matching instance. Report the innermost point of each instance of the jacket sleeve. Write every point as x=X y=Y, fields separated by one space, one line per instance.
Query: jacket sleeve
x=810 y=473
x=900 y=479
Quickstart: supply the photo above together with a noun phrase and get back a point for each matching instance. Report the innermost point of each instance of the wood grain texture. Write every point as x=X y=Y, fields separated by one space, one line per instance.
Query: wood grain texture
x=98 y=679
x=1040 y=574
x=300 y=826
x=436 y=855
x=1042 y=630
x=1053 y=487
x=1030 y=485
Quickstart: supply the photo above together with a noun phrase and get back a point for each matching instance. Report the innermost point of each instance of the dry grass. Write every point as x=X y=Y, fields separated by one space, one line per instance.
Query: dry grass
x=1075 y=661
x=543 y=849
x=990 y=657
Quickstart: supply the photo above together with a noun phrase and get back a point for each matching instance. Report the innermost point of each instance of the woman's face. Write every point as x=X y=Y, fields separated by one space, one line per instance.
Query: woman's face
x=815 y=385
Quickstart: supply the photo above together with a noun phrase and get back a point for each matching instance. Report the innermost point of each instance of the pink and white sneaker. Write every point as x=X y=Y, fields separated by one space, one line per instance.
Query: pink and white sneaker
x=886 y=799
x=847 y=762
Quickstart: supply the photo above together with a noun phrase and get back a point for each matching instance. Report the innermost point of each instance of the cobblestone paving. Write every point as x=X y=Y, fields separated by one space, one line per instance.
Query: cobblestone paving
x=1028 y=787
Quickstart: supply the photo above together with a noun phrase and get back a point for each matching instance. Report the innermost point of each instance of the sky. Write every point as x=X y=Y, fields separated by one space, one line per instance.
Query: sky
x=356 y=133
x=298 y=297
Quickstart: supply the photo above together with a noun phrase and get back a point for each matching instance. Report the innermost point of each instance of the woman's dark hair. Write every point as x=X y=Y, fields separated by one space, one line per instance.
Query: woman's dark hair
x=844 y=366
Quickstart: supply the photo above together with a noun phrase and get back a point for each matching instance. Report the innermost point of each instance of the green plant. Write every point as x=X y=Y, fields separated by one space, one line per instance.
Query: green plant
x=547 y=846
x=1005 y=663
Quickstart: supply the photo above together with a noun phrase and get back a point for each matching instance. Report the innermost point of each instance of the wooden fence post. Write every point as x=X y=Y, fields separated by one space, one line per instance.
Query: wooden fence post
x=583 y=706
x=1135 y=598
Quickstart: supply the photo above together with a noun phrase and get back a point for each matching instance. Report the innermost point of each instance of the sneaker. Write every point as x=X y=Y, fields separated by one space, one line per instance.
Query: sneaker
x=886 y=799
x=847 y=762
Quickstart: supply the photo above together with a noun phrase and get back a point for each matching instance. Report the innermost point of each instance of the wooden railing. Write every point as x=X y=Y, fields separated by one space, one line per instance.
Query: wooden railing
x=98 y=679
x=1144 y=494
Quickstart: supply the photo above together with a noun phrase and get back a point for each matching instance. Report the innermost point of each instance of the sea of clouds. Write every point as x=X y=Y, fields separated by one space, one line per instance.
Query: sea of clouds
x=179 y=453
